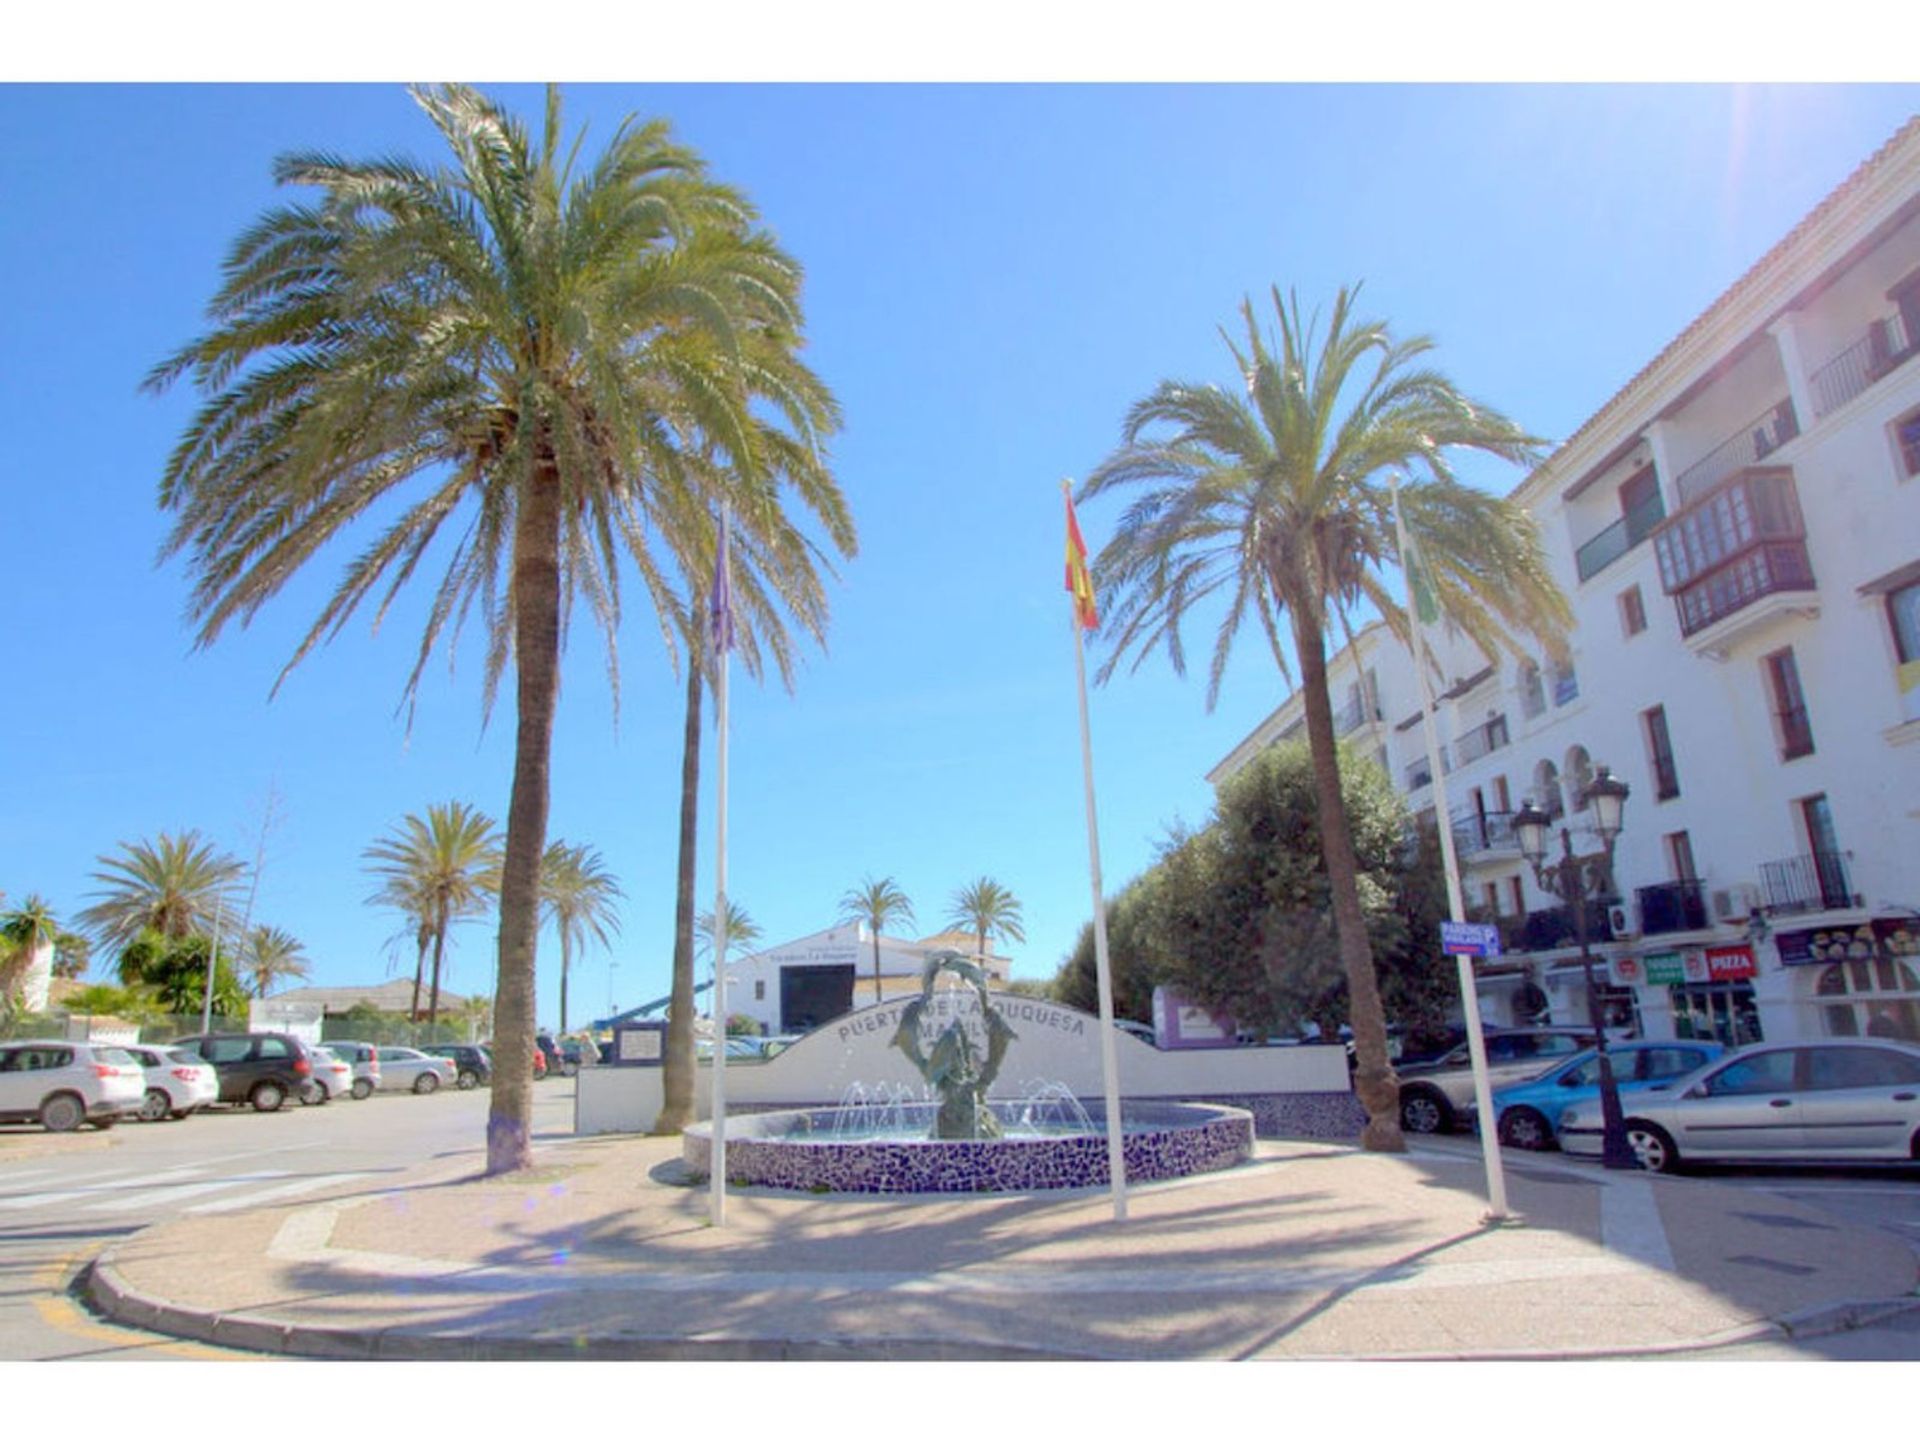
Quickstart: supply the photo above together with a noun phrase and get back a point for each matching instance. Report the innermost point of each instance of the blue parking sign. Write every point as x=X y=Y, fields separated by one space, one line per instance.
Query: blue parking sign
x=1470 y=939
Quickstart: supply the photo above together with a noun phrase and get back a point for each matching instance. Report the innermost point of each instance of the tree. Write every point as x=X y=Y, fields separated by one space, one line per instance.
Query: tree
x=269 y=955
x=987 y=909
x=1276 y=502
x=445 y=868
x=173 y=972
x=25 y=931
x=72 y=954
x=742 y=931
x=176 y=886
x=878 y=904
x=534 y=350
x=579 y=894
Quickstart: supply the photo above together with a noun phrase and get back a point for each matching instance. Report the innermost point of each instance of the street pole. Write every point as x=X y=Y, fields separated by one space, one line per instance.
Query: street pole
x=1614 y=1152
x=213 y=961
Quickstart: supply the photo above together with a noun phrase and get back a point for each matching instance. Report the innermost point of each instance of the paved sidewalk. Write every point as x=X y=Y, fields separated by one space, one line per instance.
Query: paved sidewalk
x=1311 y=1251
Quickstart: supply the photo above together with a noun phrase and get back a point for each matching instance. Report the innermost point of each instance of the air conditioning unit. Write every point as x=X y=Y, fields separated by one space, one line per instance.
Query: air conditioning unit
x=1734 y=904
x=1620 y=920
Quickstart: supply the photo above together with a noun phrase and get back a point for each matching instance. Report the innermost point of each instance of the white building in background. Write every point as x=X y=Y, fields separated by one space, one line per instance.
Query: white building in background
x=1739 y=533
x=803 y=984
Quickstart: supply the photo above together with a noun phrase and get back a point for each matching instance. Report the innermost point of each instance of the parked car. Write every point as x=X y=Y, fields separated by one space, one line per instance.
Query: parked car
x=403 y=1068
x=61 y=1084
x=578 y=1052
x=551 y=1055
x=1529 y=1112
x=364 y=1059
x=263 y=1069
x=178 y=1084
x=1840 y=1100
x=332 y=1076
x=1434 y=1095
x=472 y=1066
x=739 y=1049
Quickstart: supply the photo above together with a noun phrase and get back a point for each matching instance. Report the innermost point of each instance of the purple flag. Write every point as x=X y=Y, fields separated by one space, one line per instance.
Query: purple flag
x=720 y=606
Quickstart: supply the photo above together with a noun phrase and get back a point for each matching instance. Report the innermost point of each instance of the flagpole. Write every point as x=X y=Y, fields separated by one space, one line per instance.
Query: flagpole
x=722 y=608
x=1456 y=901
x=1109 y=1076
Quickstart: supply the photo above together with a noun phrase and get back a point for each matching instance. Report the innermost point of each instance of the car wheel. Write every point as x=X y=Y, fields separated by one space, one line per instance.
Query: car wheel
x=62 y=1112
x=1424 y=1110
x=314 y=1094
x=156 y=1106
x=1652 y=1148
x=362 y=1089
x=1522 y=1127
x=426 y=1082
x=184 y=1113
x=267 y=1096
x=103 y=1123
x=469 y=1079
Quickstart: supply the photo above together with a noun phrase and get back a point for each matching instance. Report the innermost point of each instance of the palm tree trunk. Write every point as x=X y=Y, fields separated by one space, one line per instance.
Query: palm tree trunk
x=876 y=962
x=565 y=961
x=439 y=950
x=1373 y=1080
x=676 y=1084
x=536 y=660
x=421 y=937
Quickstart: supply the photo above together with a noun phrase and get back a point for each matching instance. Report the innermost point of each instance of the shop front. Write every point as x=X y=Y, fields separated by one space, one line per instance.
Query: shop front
x=1708 y=991
x=1858 y=981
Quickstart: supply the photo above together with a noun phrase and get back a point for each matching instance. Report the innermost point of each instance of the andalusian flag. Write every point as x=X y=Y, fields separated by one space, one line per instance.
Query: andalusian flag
x=1419 y=583
x=1079 y=579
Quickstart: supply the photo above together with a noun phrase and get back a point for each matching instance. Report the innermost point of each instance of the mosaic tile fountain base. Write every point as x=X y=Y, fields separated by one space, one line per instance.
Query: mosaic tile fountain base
x=1165 y=1140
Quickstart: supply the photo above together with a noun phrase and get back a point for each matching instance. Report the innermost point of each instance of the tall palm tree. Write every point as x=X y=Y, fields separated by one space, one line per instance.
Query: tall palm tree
x=879 y=903
x=177 y=886
x=579 y=895
x=742 y=931
x=447 y=866
x=987 y=909
x=532 y=349
x=1276 y=500
x=269 y=955
x=25 y=931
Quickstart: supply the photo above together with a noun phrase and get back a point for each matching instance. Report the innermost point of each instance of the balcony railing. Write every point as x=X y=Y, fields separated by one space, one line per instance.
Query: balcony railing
x=1780 y=567
x=1476 y=832
x=1884 y=347
x=1672 y=907
x=1617 y=540
x=1748 y=446
x=1553 y=927
x=1490 y=736
x=1818 y=882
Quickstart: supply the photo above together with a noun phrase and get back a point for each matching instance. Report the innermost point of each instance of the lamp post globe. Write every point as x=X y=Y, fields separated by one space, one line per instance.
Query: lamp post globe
x=1608 y=797
x=1530 y=828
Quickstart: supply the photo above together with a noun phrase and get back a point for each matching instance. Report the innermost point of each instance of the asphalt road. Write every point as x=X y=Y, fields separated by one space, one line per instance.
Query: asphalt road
x=64 y=1198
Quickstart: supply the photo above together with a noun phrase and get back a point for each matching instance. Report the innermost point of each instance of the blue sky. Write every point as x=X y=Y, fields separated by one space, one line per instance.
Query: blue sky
x=994 y=273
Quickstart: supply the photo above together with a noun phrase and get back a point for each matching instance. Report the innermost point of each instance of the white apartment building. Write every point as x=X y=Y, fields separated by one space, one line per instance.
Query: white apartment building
x=1739 y=533
x=803 y=984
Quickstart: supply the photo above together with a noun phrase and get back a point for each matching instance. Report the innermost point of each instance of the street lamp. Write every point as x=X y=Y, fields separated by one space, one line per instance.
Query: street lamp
x=1574 y=880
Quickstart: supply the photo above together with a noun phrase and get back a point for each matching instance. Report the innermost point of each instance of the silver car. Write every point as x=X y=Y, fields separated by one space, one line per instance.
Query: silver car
x=1841 y=1100
x=406 y=1067
x=61 y=1084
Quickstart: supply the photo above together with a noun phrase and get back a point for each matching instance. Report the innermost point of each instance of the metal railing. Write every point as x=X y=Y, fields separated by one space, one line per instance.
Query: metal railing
x=1748 y=446
x=1820 y=881
x=1554 y=927
x=1601 y=551
x=1489 y=736
x=1672 y=907
x=1354 y=715
x=1476 y=832
x=1883 y=347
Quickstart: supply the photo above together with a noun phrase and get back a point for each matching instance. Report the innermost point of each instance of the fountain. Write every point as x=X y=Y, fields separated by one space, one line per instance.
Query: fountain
x=951 y=1138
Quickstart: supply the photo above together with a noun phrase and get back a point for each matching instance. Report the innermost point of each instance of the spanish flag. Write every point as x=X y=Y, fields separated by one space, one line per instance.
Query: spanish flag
x=1079 y=579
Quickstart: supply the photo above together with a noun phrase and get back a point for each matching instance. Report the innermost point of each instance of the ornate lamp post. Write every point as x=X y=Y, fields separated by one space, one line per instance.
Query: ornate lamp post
x=1574 y=880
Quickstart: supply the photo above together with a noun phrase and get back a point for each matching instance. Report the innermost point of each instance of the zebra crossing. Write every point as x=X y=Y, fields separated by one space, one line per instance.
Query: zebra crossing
x=151 y=1194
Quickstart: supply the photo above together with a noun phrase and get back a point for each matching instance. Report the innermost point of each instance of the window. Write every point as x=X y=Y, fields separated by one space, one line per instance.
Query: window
x=1871 y=997
x=1792 y=728
x=226 y=1049
x=1519 y=897
x=1533 y=691
x=1566 y=683
x=1906 y=434
x=760 y=989
x=1903 y=614
x=1579 y=777
x=1763 y=1072
x=1658 y=1063
x=1546 y=787
x=1633 y=612
x=1680 y=857
x=1831 y=1068
x=1490 y=894
x=1666 y=780
x=274 y=1047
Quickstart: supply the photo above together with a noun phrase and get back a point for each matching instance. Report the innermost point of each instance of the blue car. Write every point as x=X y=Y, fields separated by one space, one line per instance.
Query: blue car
x=1530 y=1111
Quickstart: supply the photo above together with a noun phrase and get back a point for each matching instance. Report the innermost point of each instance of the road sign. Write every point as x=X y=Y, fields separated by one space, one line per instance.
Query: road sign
x=1470 y=939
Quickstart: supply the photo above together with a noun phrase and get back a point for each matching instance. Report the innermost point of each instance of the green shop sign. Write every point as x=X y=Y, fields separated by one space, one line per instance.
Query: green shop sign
x=1664 y=969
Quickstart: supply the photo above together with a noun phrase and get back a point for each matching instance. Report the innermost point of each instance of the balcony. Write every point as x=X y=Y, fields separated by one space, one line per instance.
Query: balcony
x=1748 y=446
x=1672 y=907
x=1490 y=736
x=1477 y=832
x=1819 y=882
x=1553 y=927
x=1741 y=542
x=1883 y=349
x=1601 y=551
x=1354 y=715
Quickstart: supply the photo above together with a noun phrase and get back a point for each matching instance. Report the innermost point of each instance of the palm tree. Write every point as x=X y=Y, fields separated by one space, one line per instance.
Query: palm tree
x=579 y=895
x=879 y=904
x=446 y=868
x=1276 y=500
x=987 y=909
x=25 y=931
x=742 y=931
x=269 y=955
x=533 y=349
x=178 y=886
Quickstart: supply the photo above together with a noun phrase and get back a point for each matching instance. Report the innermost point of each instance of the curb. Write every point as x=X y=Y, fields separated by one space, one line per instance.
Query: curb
x=103 y=1286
